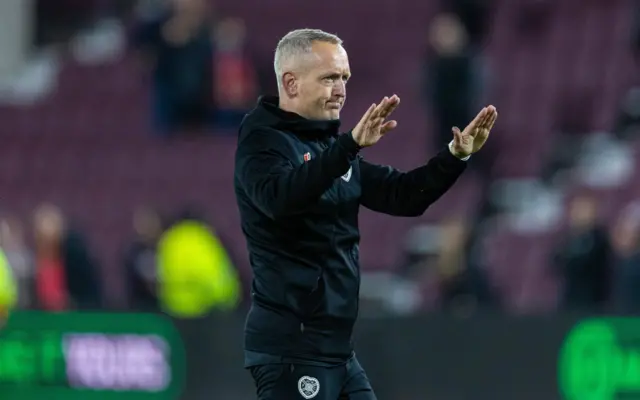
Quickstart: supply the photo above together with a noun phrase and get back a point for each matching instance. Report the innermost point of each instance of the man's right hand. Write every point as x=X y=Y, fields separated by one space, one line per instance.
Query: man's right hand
x=372 y=126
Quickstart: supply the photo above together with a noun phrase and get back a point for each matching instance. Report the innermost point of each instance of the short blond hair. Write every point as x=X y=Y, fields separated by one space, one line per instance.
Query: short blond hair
x=298 y=43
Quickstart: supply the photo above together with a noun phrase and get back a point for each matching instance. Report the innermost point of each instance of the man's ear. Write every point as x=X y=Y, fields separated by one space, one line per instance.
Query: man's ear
x=290 y=84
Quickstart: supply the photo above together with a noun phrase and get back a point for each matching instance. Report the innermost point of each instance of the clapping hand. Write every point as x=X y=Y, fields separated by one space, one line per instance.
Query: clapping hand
x=475 y=135
x=373 y=126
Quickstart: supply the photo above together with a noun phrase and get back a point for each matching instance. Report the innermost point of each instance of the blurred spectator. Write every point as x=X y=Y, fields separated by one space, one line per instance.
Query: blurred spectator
x=450 y=77
x=195 y=273
x=8 y=289
x=140 y=261
x=628 y=122
x=51 y=286
x=236 y=85
x=582 y=260
x=20 y=259
x=463 y=284
x=439 y=265
x=57 y=21
x=626 y=244
x=66 y=274
x=177 y=44
x=474 y=16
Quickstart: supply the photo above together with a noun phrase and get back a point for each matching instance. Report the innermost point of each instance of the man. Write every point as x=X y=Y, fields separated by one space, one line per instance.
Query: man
x=299 y=185
x=582 y=260
x=177 y=43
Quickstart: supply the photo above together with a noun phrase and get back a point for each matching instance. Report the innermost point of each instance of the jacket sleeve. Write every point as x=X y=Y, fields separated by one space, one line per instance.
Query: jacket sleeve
x=408 y=194
x=269 y=177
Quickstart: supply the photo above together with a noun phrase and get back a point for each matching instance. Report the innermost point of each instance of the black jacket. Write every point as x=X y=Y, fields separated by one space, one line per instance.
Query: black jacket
x=583 y=260
x=299 y=186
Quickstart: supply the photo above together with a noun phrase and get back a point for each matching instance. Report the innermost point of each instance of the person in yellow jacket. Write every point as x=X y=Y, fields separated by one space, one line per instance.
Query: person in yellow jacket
x=195 y=274
x=8 y=289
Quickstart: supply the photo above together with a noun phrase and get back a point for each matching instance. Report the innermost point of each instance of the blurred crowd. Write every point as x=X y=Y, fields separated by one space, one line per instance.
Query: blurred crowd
x=203 y=78
x=202 y=73
x=598 y=267
x=175 y=264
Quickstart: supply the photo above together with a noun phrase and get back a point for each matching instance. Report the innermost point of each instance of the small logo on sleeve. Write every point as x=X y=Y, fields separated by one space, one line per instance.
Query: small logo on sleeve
x=347 y=176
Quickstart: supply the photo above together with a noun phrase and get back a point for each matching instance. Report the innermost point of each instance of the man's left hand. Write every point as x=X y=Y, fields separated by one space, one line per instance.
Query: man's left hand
x=475 y=135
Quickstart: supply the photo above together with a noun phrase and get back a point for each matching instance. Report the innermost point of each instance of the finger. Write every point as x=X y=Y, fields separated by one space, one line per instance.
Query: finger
x=393 y=101
x=367 y=114
x=382 y=105
x=388 y=104
x=377 y=112
x=480 y=141
x=387 y=126
x=375 y=124
x=491 y=114
x=485 y=117
x=482 y=135
x=487 y=125
x=396 y=101
x=476 y=123
x=372 y=124
x=493 y=120
x=364 y=121
x=457 y=136
x=392 y=104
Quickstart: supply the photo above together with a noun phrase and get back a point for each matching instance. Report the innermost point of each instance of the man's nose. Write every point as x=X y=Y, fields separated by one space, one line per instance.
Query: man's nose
x=339 y=89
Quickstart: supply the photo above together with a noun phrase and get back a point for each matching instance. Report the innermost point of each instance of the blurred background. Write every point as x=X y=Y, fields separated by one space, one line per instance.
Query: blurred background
x=118 y=123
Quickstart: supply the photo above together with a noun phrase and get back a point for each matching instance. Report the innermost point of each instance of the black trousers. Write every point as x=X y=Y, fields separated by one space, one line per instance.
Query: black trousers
x=301 y=381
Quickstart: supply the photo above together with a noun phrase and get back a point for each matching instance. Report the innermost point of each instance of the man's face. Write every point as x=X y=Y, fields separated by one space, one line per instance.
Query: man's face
x=320 y=84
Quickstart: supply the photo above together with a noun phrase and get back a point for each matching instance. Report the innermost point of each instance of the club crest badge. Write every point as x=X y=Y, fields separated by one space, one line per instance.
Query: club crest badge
x=308 y=387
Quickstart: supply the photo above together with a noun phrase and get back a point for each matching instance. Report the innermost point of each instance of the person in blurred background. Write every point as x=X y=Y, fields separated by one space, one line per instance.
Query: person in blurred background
x=178 y=46
x=474 y=16
x=51 y=287
x=236 y=80
x=628 y=120
x=19 y=258
x=583 y=259
x=56 y=22
x=66 y=275
x=449 y=76
x=626 y=270
x=8 y=289
x=195 y=274
x=140 y=260
x=299 y=186
x=454 y=82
